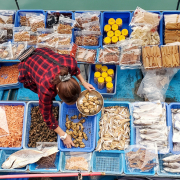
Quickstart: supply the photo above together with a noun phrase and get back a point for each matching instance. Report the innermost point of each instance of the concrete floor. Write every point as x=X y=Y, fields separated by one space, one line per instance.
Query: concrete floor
x=90 y=4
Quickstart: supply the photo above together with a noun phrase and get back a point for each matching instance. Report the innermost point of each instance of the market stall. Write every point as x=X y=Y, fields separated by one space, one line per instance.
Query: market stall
x=131 y=58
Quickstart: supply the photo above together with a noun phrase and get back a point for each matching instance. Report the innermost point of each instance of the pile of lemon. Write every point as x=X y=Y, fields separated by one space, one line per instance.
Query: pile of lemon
x=113 y=31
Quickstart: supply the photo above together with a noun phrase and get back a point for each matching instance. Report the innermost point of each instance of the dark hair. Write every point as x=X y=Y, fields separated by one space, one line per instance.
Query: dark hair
x=68 y=90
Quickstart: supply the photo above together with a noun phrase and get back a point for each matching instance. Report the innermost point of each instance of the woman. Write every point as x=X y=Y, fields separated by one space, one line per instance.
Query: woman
x=48 y=74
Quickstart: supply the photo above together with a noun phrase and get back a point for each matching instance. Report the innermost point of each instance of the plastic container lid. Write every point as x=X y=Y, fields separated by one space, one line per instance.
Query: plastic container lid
x=117 y=33
x=104 y=68
x=107 y=27
x=104 y=74
x=119 y=21
x=114 y=39
x=98 y=66
x=110 y=71
x=110 y=33
x=122 y=37
x=124 y=32
x=114 y=27
x=111 y=21
x=107 y=40
x=109 y=85
x=97 y=74
x=108 y=79
x=101 y=80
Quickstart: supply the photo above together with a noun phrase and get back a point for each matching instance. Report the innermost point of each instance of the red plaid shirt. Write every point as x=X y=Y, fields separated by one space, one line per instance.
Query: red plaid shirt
x=36 y=74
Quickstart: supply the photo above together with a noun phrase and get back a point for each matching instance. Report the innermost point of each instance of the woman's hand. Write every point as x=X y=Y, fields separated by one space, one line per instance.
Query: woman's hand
x=68 y=141
x=88 y=86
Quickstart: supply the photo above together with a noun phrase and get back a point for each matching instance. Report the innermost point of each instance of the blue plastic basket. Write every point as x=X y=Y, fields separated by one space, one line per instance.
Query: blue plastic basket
x=9 y=86
x=159 y=27
x=115 y=103
x=160 y=170
x=172 y=106
x=64 y=155
x=24 y=11
x=163 y=23
x=4 y=155
x=136 y=171
x=32 y=167
x=97 y=54
x=124 y=15
x=89 y=128
x=100 y=38
x=167 y=122
x=30 y=105
x=103 y=91
x=110 y=163
x=15 y=103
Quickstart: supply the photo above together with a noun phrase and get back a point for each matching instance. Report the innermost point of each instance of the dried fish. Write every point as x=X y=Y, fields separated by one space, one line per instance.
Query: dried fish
x=172 y=165
x=173 y=158
x=172 y=170
x=114 y=128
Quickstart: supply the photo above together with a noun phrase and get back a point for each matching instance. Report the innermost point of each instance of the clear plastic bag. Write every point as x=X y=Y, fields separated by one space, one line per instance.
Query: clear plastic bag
x=92 y=26
x=172 y=21
x=86 y=38
x=6 y=16
x=42 y=32
x=46 y=45
x=109 y=54
x=142 y=17
x=170 y=55
x=36 y=21
x=64 y=49
x=147 y=34
x=4 y=130
x=155 y=84
x=3 y=36
x=151 y=56
x=78 y=161
x=64 y=39
x=18 y=48
x=6 y=51
x=65 y=25
x=8 y=28
x=52 y=19
x=82 y=18
x=21 y=34
x=33 y=38
x=86 y=55
x=142 y=158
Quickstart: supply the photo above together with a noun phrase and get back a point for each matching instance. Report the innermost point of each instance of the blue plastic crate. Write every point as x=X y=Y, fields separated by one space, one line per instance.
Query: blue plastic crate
x=160 y=170
x=159 y=27
x=138 y=172
x=32 y=167
x=30 y=105
x=110 y=163
x=168 y=123
x=172 y=106
x=15 y=103
x=24 y=11
x=3 y=156
x=64 y=156
x=163 y=22
x=89 y=128
x=115 y=103
x=124 y=15
x=9 y=86
x=100 y=38
x=103 y=91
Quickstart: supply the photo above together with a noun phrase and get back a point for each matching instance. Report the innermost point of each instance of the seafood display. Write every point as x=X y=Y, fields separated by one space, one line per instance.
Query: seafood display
x=77 y=132
x=141 y=159
x=176 y=129
x=171 y=163
x=114 y=128
x=150 y=123
x=14 y=116
x=89 y=105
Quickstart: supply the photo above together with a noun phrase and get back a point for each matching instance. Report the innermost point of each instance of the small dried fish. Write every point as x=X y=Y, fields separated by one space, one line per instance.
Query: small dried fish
x=173 y=158
x=172 y=170
x=172 y=165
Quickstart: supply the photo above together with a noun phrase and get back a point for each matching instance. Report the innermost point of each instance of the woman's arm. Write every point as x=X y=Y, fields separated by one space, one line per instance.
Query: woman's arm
x=84 y=83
